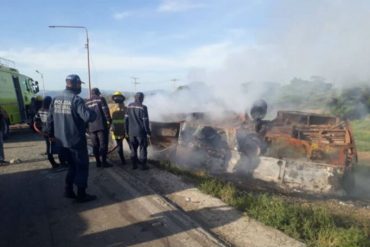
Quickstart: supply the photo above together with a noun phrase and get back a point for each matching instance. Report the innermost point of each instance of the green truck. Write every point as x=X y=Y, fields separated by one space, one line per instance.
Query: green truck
x=17 y=95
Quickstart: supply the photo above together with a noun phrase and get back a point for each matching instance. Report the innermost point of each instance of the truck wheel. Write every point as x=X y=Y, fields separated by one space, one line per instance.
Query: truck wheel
x=6 y=129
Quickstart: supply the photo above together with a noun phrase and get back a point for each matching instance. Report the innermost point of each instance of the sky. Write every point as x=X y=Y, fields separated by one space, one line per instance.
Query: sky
x=219 y=42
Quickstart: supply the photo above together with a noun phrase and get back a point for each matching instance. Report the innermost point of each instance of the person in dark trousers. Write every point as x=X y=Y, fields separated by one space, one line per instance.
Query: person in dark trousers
x=137 y=127
x=118 y=111
x=67 y=120
x=99 y=129
x=2 y=127
x=40 y=121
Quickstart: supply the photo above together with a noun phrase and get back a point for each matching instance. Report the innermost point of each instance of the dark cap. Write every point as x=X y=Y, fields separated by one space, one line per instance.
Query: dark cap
x=95 y=91
x=74 y=79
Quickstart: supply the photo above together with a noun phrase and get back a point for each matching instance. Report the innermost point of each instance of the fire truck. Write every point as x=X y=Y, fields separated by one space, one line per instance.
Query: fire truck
x=17 y=95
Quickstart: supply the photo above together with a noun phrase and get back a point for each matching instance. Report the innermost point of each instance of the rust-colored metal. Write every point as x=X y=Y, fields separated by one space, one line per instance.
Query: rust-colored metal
x=297 y=135
x=324 y=138
x=296 y=150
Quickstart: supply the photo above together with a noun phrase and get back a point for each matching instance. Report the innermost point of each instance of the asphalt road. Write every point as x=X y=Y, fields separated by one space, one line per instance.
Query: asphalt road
x=127 y=212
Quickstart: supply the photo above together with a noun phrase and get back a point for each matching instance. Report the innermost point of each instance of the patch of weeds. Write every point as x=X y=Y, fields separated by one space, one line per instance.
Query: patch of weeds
x=340 y=237
x=361 y=132
x=313 y=225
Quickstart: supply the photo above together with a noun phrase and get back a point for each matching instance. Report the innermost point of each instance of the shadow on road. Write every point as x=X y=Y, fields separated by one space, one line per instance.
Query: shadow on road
x=34 y=213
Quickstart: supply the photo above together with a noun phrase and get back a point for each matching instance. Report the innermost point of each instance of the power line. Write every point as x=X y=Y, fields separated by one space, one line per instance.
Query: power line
x=135 y=82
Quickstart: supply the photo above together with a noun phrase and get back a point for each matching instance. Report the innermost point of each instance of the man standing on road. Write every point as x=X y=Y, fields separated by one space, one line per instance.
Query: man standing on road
x=99 y=129
x=67 y=121
x=2 y=127
x=137 y=127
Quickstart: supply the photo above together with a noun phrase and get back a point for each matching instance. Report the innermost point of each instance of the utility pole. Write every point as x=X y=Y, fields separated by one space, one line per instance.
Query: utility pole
x=43 y=83
x=135 y=82
x=87 y=46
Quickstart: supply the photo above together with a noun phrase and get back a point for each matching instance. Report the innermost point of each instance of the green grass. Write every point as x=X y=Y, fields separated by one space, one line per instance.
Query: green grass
x=361 y=131
x=313 y=225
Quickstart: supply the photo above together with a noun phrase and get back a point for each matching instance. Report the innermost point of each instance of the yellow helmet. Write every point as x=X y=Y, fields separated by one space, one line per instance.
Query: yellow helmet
x=117 y=93
x=118 y=97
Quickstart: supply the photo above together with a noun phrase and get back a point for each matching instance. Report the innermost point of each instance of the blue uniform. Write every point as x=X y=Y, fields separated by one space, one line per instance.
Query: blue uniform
x=67 y=121
x=99 y=129
x=137 y=127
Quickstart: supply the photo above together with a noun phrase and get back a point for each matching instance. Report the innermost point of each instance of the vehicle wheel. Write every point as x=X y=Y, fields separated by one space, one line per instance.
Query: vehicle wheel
x=6 y=130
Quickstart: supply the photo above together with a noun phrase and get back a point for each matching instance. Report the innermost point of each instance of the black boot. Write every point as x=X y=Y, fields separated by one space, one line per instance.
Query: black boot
x=144 y=165
x=134 y=163
x=122 y=157
x=106 y=164
x=98 y=162
x=52 y=161
x=82 y=196
x=68 y=192
x=97 y=158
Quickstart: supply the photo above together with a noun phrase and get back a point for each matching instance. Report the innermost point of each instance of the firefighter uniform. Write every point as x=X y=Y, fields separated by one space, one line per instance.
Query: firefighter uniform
x=137 y=127
x=99 y=129
x=118 y=111
x=66 y=122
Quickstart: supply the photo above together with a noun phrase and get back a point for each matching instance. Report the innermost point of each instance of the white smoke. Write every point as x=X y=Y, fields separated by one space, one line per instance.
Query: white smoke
x=326 y=38
x=306 y=38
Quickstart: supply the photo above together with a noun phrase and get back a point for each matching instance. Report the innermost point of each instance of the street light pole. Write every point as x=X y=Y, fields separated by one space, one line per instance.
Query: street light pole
x=43 y=83
x=87 y=48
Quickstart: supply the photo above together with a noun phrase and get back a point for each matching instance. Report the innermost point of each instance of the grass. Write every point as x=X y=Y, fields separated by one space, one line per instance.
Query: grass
x=361 y=131
x=313 y=225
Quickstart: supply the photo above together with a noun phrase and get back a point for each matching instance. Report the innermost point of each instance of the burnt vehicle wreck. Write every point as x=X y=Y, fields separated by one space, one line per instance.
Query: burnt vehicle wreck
x=296 y=151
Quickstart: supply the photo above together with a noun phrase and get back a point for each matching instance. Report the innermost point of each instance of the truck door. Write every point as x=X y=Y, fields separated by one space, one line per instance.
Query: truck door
x=20 y=100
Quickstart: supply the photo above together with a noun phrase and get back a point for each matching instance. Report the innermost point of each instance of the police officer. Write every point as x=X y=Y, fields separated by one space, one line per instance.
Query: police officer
x=118 y=111
x=137 y=127
x=67 y=119
x=99 y=129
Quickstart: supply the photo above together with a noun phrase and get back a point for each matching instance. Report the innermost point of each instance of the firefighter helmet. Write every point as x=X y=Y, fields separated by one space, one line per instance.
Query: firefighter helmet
x=118 y=97
x=117 y=93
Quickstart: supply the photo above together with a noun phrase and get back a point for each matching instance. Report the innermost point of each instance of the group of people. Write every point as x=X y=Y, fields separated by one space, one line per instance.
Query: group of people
x=69 y=116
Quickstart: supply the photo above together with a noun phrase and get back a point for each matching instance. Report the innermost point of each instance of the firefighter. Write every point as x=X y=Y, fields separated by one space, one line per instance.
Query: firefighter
x=66 y=122
x=137 y=127
x=99 y=129
x=118 y=111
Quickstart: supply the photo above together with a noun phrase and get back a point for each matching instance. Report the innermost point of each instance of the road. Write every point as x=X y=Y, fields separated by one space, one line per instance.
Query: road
x=127 y=212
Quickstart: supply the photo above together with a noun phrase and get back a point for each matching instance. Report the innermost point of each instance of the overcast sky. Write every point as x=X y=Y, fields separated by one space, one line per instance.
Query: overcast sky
x=221 y=42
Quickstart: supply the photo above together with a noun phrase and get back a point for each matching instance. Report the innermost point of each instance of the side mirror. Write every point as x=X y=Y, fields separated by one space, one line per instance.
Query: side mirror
x=35 y=87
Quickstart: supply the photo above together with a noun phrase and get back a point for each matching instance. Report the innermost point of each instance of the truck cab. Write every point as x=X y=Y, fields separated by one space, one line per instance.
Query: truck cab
x=17 y=93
